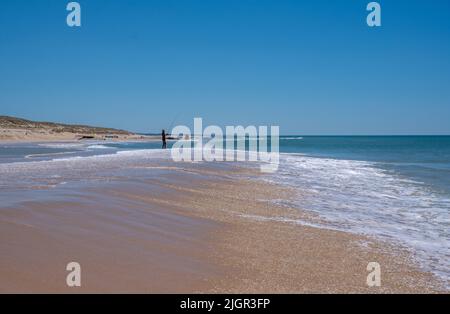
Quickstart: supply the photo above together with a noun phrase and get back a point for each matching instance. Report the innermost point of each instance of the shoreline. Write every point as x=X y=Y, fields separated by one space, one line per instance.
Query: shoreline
x=268 y=255
x=190 y=228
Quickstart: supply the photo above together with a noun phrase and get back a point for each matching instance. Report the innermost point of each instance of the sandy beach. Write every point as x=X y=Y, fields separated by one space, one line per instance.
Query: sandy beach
x=17 y=130
x=32 y=136
x=227 y=148
x=188 y=228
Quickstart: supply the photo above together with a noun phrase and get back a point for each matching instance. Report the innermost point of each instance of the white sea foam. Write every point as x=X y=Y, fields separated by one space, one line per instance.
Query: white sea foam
x=292 y=138
x=98 y=146
x=361 y=197
x=62 y=145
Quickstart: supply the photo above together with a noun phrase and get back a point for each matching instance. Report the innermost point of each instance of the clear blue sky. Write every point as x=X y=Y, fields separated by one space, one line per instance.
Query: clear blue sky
x=312 y=67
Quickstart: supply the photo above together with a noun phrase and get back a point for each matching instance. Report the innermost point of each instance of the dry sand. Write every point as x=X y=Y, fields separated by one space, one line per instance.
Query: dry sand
x=13 y=129
x=201 y=229
x=42 y=135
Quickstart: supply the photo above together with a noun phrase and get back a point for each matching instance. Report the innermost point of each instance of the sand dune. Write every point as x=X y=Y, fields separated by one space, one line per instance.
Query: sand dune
x=18 y=130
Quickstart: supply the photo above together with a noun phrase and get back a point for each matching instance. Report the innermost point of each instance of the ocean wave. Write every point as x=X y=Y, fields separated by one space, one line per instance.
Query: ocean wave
x=62 y=145
x=362 y=197
x=291 y=138
x=98 y=146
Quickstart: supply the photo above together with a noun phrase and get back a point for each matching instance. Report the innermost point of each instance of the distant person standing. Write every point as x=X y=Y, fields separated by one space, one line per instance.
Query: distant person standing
x=164 y=141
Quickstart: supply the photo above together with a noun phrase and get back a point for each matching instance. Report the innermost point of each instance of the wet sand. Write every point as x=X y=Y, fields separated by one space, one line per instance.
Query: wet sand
x=194 y=228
